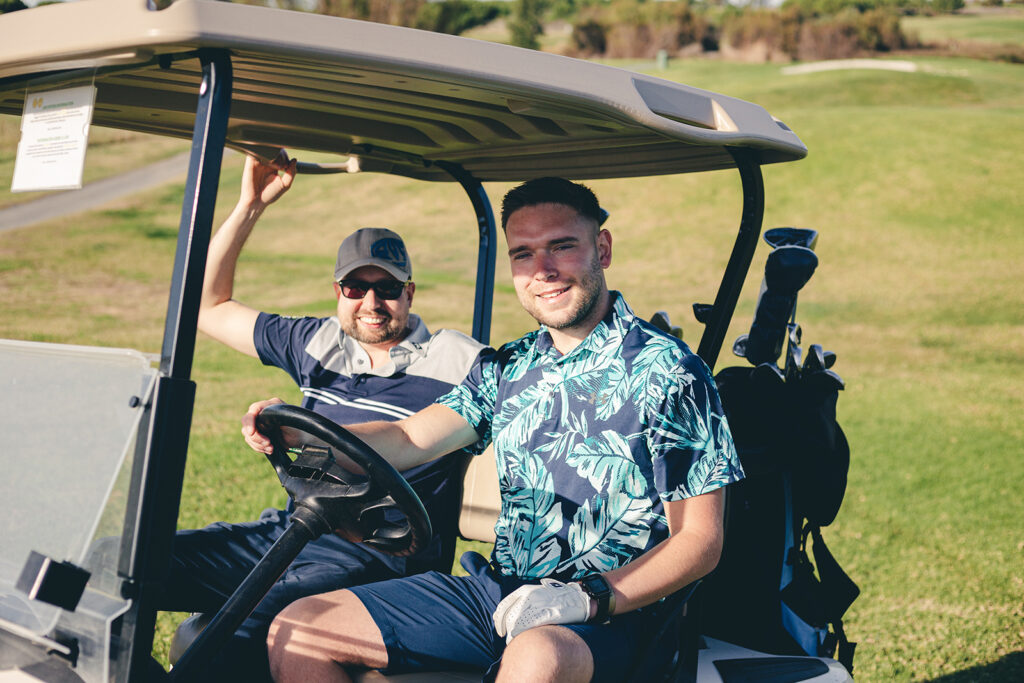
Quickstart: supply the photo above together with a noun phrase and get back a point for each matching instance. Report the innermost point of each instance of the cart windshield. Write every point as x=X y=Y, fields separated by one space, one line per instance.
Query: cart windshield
x=71 y=415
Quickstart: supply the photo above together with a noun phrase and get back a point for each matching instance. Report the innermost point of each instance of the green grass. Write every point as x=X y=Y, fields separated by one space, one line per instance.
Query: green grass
x=1003 y=26
x=913 y=181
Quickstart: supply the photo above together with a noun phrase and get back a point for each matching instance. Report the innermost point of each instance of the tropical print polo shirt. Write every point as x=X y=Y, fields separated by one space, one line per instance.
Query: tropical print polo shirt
x=591 y=444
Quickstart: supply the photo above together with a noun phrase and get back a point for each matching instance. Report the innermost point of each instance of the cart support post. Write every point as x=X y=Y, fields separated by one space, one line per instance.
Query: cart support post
x=159 y=467
x=488 y=249
x=194 y=230
x=739 y=261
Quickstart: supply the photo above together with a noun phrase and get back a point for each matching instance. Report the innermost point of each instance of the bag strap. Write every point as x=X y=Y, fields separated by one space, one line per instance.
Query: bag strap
x=839 y=592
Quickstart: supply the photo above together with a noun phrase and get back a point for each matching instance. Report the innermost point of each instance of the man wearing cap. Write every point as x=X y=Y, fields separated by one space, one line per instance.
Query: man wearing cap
x=372 y=360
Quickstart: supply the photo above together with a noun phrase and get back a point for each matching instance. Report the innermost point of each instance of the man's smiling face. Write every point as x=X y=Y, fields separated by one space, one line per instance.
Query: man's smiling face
x=557 y=258
x=373 y=320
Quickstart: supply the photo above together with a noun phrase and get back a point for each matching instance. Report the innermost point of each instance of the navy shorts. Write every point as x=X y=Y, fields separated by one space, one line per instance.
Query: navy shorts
x=438 y=622
x=210 y=563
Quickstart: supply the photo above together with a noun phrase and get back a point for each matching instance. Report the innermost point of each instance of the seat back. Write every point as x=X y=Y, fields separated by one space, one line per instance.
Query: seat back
x=481 y=501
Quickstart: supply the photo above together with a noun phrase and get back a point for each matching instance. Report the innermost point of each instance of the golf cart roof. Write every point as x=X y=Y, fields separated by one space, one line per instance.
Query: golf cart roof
x=398 y=99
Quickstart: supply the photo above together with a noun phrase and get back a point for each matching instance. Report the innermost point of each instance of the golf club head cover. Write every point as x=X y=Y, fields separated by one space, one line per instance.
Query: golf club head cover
x=551 y=602
x=802 y=237
x=787 y=269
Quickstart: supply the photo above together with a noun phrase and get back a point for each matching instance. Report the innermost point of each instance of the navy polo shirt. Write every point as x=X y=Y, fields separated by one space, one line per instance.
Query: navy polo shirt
x=334 y=374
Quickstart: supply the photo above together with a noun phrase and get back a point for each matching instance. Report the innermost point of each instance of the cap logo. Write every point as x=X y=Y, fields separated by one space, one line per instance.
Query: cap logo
x=391 y=250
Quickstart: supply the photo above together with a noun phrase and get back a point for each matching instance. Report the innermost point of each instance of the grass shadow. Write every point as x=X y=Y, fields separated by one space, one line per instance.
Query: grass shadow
x=1009 y=668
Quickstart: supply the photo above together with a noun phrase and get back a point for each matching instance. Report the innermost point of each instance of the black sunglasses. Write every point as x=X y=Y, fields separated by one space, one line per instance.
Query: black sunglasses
x=384 y=289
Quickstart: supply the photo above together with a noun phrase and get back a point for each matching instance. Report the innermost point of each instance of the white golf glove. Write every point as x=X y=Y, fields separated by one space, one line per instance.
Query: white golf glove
x=552 y=602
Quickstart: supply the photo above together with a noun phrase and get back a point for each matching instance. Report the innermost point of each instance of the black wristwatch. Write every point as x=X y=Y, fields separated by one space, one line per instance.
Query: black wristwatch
x=597 y=587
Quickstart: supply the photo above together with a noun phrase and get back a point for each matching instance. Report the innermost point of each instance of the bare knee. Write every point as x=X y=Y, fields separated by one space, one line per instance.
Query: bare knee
x=547 y=653
x=311 y=637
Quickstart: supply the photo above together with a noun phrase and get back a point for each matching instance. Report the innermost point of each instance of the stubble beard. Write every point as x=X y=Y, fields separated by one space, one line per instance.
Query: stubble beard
x=590 y=286
x=393 y=330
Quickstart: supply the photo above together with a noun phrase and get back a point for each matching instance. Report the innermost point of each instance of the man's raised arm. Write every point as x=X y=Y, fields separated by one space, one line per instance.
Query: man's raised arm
x=417 y=439
x=220 y=316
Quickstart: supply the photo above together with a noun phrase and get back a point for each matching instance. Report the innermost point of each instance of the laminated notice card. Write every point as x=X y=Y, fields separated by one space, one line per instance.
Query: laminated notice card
x=54 y=133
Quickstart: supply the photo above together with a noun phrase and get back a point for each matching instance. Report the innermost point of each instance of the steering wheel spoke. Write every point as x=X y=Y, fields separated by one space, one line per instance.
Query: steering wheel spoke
x=377 y=505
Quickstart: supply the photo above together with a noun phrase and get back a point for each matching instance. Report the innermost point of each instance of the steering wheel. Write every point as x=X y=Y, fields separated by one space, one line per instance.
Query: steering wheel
x=378 y=507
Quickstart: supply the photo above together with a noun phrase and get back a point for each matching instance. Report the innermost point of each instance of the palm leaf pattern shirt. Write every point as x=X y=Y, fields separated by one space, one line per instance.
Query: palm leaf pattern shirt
x=589 y=445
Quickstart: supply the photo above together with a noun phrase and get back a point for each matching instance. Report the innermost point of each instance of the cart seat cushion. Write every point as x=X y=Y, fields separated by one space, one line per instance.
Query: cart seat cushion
x=481 y=500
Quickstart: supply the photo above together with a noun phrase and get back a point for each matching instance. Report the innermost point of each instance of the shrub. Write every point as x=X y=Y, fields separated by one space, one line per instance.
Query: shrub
x=11 y=6
x=589 y=38
x=947 y=6
x=640 y=29
x=849 y=33
x=525 y=25
x=456 y=16
x=828 y=38
x=778 y=32
x=570 y=9
x=800 y=29
x=800 y=33
x=827 y=8
x=449 y=16
x=879 y=30
x=381 y=11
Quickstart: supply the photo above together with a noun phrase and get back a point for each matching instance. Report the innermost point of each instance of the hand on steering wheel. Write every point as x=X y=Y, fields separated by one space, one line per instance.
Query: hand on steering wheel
x=377 y=507
x=257 y=441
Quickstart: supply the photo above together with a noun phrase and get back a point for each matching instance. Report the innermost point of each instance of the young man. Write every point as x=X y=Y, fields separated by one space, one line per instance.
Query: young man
x=612 y=450
x=373 y=360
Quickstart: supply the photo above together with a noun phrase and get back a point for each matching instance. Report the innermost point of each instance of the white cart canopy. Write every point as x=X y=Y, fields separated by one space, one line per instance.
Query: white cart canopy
x=398 y=99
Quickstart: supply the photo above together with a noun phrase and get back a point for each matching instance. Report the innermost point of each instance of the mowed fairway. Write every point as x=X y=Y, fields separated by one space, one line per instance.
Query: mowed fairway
x=999 y=26
x=914 y=181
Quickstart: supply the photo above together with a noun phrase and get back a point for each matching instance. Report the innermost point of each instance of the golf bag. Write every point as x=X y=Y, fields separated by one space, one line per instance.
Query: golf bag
x=765 y=593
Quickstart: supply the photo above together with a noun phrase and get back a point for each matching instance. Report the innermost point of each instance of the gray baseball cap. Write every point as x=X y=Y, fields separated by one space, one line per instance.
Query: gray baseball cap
x=373 y=247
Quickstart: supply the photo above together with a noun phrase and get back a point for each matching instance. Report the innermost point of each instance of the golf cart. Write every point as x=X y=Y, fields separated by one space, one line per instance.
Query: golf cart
x=382 y=99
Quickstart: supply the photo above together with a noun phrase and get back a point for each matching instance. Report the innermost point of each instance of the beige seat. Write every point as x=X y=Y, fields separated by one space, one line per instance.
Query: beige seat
x=481 y=501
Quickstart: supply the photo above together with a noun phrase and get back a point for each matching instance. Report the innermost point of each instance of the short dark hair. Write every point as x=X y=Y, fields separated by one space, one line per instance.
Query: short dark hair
x=551 y=190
